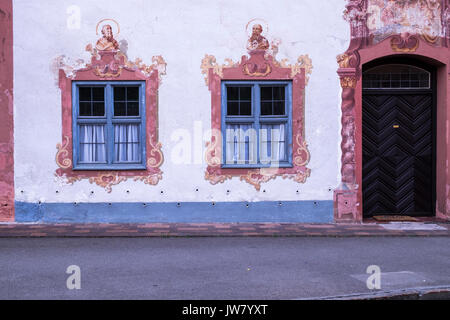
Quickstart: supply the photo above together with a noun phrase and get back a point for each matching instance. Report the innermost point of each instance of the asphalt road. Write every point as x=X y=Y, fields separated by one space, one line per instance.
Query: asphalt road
x=217 y=268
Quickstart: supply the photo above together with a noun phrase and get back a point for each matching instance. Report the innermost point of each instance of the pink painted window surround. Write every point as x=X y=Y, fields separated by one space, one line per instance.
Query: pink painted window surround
x=256 y=68
x=112 y=67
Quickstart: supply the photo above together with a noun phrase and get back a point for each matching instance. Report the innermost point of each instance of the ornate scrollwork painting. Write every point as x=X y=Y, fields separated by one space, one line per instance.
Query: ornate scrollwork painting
x=260 y=64
x=109 y=63
x=388 y=17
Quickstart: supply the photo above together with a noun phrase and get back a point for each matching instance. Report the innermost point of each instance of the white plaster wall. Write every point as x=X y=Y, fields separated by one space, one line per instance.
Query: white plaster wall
x=182 y=32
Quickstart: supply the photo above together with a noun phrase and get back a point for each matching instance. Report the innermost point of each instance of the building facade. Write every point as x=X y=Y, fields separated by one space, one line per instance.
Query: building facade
x=157 y=111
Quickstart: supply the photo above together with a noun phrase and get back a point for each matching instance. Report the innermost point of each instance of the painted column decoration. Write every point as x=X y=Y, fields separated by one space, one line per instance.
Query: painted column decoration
x=406 y=25
x=109 y=63
x=6 y=113
x=346 y=197
x=261 y=64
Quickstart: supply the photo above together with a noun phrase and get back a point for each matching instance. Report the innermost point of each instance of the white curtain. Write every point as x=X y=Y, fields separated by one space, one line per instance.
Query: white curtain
x=126 y=143
x=92 y=143
x=273 y=144
x=240 y=144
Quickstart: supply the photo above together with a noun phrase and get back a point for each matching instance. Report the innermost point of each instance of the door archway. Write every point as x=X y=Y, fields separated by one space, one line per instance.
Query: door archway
x=367 y=46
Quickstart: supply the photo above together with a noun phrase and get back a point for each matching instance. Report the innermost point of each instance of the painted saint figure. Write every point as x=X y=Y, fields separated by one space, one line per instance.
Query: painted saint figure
x=257 y=41
x=107 y=42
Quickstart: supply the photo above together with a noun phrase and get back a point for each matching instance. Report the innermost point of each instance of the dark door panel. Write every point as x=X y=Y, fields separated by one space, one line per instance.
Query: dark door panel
x=398 y=153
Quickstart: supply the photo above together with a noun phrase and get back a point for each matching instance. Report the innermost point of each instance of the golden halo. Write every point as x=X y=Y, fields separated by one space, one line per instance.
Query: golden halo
x=258 y=21
x=103 y=20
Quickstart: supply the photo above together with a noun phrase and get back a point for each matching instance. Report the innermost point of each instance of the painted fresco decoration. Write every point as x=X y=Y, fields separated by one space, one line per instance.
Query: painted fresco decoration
x=356 y=14
x=261 y=64
x=446 y=22
x=257 y=45
x=257 y=41
x=109 y=63
x=390 y=17
x=107 y=42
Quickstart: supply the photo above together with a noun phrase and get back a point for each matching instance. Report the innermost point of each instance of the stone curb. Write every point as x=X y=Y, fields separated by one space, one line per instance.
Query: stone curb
x=422 y=293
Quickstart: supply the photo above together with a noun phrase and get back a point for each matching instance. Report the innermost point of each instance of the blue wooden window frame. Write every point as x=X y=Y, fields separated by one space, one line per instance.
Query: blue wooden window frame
x=109 y=120
x=256 y=119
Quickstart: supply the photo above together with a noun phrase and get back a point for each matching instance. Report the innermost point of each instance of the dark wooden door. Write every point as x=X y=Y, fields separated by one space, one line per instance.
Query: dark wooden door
x=398 y=152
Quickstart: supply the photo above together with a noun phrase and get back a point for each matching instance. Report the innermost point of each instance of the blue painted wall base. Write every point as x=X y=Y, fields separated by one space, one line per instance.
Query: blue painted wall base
x=183 y=212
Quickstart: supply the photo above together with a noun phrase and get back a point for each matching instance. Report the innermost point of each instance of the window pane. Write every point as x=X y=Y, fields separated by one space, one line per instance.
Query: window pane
x=385 y=84
x=84 y=94
x=133 y=93
x=266 y=108
x=120 y=109
x=127 y=143
x=395 y=80
x=92 y=144
x=91 y=101
x=278 y=108
x=133 y=109
x=126 y=101
x=266 y=93
x=272 y=100
x=239 y=101
x=245 y=93
x=233 y=108
x=85 y=109
x=119 y=94
x=98 y=94
x=245 y=109
x=98 y=109
x=278 y=93
x=396 y=76
x=233 y=93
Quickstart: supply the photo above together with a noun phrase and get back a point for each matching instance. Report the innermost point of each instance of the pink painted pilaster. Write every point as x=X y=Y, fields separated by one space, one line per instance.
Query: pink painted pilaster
x=346 y=204
x=6 y=113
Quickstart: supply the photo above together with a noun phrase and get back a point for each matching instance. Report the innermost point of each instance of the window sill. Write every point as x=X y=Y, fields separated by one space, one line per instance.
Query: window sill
x=108 y=168
x=255 y=166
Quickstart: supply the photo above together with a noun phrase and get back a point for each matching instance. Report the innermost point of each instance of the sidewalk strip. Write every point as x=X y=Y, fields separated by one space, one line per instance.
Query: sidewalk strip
x=224 y=229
